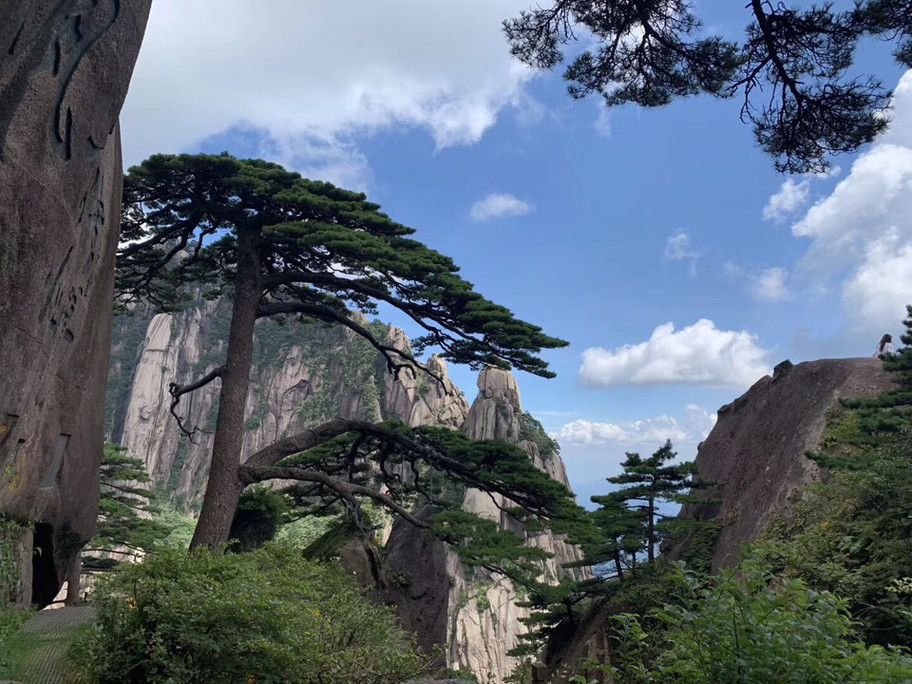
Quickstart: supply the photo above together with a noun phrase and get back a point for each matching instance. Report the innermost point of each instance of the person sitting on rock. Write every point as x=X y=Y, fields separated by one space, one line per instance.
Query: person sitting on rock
x=885 y=346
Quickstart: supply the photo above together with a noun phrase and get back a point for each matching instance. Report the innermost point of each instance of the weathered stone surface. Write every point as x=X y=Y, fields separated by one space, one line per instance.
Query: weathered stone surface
x=302 y=375
x=473 y=614
x=417 y=583
x=756 y=449
x=64 y=71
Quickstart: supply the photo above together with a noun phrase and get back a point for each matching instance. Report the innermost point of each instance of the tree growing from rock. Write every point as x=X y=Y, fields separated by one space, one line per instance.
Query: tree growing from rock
x=279 y=245
x=647 y=483
x=793 y=68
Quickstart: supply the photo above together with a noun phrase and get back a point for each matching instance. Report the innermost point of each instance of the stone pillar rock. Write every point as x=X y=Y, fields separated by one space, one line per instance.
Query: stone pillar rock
x=64 y=70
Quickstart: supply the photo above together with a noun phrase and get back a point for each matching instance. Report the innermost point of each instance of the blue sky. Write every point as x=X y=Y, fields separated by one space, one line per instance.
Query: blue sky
x=660 y=243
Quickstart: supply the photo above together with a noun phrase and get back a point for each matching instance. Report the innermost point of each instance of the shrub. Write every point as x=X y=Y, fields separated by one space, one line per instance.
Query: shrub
x=746 y=626
x=265 y=616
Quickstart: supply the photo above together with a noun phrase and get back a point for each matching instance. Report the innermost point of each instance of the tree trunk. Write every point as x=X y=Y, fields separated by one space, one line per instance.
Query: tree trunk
x=617 y=564
x=650 y=541
x=223 y=489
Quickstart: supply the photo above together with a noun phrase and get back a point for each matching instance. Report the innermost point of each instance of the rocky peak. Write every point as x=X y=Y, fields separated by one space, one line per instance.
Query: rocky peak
x=756 y=451
x=496 y=410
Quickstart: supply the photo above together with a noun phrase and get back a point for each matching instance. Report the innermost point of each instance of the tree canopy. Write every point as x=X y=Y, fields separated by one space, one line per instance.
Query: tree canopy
x=279 y=245
x=793 y=67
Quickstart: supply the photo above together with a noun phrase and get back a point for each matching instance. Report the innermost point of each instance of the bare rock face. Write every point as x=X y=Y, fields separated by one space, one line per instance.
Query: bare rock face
x=756 y=451
x=64 y=71
x=302 y=375
x=473 y=613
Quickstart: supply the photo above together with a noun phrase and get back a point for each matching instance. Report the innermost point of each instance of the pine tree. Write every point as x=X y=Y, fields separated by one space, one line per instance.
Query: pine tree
x=126 y=509
x=649 y=482
x=792 y=68
x=279 y=245
x=623 y=533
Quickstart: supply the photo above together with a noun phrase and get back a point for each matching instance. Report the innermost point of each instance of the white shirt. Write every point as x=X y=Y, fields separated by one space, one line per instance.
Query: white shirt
x=887 y=349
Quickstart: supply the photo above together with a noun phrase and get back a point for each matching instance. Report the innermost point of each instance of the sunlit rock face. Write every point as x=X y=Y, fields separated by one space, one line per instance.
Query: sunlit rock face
x=756 y=451
x=64 y=72
x=303 y=374
x=472 y=613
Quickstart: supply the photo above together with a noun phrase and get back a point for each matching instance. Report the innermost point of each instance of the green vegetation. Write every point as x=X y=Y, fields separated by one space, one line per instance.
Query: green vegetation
x=532 y=430
x=793 y=67
x=12 y=642
x=127 y=524
x=268 y=615
x=745 y=625
x=279 y=246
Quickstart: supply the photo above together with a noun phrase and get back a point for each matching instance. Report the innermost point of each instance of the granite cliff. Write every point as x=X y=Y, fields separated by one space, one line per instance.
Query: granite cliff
x=308 y=373
x=303 y=374
x=64 y=72
x=756 y=451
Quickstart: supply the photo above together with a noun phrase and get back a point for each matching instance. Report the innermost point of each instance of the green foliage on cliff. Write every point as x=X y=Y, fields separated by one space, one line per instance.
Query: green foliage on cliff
x=532 y=430
x=850 y=534
x=127 y=516
x=824 y=596
x=745 y=625
x=11 y=616
x=265 y=616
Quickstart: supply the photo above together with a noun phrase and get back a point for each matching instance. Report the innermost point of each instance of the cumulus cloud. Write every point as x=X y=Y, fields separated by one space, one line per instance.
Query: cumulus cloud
x=693 y=427
x=770 y=284
x=878 y=292
x=320 y=72
x=792 y=195
x=498 y=205
x=699 y=354
x=862 y=232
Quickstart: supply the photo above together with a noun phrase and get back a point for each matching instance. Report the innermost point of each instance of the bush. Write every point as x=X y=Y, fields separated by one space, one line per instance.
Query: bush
x=265 y=616
x=747 y=626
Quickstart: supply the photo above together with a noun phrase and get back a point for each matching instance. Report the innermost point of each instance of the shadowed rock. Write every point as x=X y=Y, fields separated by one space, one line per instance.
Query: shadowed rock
x=64 y=71
x=756 y=451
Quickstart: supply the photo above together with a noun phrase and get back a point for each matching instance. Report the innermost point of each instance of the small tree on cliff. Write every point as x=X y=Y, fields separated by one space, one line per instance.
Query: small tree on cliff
x=126 y=508
x=649 y=482
x=792 y=67
x=279 y=245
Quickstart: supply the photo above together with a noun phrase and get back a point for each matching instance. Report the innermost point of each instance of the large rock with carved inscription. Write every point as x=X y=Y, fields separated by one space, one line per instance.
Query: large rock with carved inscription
x=64 y=71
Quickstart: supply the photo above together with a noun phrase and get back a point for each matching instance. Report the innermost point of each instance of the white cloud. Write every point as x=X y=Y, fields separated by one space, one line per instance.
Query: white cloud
x=699 y=354
x=317 y=73
x=693 y=427
x=678 y=248
x=878 y=292
x=862 y=232
x=790 y=197
x=498 y=205
x=642 y=431
x=770 y=284
x=602 y=123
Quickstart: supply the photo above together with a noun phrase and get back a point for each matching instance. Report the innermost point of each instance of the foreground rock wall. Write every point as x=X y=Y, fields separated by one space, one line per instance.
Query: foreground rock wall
x=64 y=71
x=756 y=451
